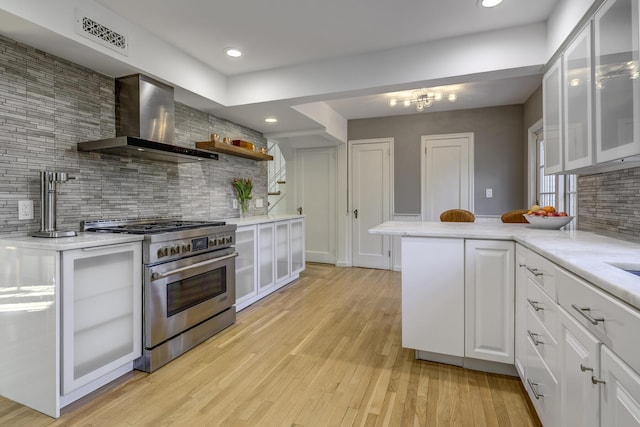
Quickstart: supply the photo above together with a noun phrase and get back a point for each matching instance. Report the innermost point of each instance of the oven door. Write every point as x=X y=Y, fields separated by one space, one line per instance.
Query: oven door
x=180 y=294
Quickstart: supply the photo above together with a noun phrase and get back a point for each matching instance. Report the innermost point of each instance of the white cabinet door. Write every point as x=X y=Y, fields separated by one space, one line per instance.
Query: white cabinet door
x=283 y=251
x=489 y=300
x=520 y=332
x=101 y=311
x=552 y=119
x=617 y=86
x=266 y=256
x=433 y=295
x=297 y=245
x=620 y=394
x=246 y=271
x=576 y=69
x=579 y=361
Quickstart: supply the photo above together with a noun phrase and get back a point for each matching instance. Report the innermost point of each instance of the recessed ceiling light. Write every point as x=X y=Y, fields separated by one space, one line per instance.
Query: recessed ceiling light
x=453 y=97
x=271 y=120
x=233 y=52
x=489 y=3
x=393 y=102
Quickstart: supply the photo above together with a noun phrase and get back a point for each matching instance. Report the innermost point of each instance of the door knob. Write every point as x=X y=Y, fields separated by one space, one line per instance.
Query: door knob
x=355 y=213
x=299 y=210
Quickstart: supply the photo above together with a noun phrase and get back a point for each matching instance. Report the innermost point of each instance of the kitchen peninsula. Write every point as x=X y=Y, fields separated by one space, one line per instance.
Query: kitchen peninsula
x=557 y=305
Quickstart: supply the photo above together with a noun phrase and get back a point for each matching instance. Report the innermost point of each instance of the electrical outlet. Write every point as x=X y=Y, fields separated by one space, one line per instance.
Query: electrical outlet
x=25 y=209
x=489 y=193
x=235 y=204
x=259 y=203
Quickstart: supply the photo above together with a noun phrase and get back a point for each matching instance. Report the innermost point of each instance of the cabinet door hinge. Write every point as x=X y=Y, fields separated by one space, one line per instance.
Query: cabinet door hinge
x=389 y=252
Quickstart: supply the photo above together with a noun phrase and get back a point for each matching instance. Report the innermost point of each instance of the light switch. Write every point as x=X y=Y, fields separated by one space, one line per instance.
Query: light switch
x=259 y=203
x=489 y=192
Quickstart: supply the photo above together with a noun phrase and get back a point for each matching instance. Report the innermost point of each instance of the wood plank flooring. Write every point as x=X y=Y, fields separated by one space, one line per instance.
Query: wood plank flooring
x=323 y=351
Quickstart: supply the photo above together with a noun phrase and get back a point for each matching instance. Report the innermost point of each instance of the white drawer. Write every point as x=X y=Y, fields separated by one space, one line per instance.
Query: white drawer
x=613 y=322
x=545 y=309
x=543 y=341
x=542 y=387
x=542 y=272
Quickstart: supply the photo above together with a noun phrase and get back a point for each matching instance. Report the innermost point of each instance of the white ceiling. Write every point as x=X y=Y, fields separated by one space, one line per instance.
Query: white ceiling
x=280 y=35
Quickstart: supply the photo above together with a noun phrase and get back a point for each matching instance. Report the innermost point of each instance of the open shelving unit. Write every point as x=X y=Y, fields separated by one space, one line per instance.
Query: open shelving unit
x=232 y=150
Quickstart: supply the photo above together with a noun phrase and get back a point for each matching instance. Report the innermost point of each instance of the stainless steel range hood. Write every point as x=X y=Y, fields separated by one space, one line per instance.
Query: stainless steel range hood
x=145 y=124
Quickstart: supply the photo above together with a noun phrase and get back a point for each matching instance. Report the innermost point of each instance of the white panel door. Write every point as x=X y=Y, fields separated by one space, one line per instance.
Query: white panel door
x=447 y=174
x=433 y=295
x=317 y=198
x=579 y=361
x=489 y=300
x=620 y=394
x=371 y=203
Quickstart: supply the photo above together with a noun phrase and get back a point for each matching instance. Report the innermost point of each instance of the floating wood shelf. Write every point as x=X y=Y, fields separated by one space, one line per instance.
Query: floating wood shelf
x=232 y=150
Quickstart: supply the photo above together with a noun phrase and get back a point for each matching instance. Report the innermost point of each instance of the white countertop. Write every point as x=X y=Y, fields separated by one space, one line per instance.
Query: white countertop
x=260 y=219
x=82 y=240
x=583 y=253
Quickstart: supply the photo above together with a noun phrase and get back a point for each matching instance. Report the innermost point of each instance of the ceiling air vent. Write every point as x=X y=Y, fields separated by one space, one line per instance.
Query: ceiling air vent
x=94 y=30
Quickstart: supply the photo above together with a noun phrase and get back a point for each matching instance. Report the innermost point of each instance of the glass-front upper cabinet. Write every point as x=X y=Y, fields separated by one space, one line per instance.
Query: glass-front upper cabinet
x=552 y=117
x=576 y=71
x=616 y=80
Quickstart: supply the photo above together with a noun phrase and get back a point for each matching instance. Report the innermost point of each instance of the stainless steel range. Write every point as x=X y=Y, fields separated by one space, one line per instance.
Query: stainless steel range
x=189 y=283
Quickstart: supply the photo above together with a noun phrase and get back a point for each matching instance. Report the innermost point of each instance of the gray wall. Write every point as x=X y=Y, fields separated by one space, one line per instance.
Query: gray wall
x=498 y=152
x=48 y=105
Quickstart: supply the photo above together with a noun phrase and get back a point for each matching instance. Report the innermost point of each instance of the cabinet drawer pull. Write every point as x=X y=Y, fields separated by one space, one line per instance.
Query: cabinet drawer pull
x=533 y=338
x=597 y=380
x=535 y=271
x=534 y=388
x=522 y=265
x=534 y=304
x=585 y=368
x=586 y=313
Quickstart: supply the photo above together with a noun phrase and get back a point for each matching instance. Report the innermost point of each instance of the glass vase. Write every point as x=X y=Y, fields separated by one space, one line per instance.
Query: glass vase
x=244 y=208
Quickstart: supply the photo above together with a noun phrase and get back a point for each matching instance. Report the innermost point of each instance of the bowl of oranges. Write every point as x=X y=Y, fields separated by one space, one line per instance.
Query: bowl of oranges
x=547 y=217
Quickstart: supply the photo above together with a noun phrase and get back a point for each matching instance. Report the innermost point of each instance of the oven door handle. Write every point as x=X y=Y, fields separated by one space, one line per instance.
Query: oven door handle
x=156 y=276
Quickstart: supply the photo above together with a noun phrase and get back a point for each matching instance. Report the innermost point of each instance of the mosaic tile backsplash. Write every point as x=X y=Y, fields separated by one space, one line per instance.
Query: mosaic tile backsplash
x=609 y=203
x=48 y=105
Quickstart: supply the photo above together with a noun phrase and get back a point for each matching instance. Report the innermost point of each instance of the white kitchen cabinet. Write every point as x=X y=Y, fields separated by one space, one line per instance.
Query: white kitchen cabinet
x=271 y=255
x=246 y=271
x=617 y=87
x=297 y=245
x=433 y=295
x=577 y=102
x=579 y=362
x=101 y=312
x=489 y=300
x=266 y=256
x=520 y=339
x=283 y=254
x=620 y=394
x=552 y=118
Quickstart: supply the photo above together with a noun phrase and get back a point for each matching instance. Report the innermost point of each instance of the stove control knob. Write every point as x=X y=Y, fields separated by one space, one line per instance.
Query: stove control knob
x=186 y=248
x=162 y=252
x=175 y=250
x=228 y=239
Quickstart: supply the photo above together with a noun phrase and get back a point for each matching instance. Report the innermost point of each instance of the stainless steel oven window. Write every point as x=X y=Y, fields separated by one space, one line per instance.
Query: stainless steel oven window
x=192 y=291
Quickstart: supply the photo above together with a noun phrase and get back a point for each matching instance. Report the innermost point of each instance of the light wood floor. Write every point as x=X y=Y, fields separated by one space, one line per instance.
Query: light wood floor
x=323 y=351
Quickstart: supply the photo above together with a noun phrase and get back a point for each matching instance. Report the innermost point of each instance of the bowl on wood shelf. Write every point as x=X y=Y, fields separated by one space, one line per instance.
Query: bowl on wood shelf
x=548 y=222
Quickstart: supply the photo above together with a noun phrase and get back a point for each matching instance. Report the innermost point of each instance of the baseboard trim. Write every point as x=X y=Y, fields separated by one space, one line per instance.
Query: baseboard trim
x=469 y=363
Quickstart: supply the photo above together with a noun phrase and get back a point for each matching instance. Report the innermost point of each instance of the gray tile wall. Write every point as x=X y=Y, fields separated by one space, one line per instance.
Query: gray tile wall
x=48 y=105
x=609 y=203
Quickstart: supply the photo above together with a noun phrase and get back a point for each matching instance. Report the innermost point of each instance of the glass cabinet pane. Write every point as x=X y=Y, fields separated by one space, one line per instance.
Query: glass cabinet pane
x=577 y=101
x=551 y=94
x=266 y=256
x=616 y=79
x=245 y=262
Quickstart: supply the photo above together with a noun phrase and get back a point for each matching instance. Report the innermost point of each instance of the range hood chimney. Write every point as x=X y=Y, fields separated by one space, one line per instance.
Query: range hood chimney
x=145 y=117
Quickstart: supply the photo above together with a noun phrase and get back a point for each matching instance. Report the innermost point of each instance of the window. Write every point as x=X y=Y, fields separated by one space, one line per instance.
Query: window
x=559 y=191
